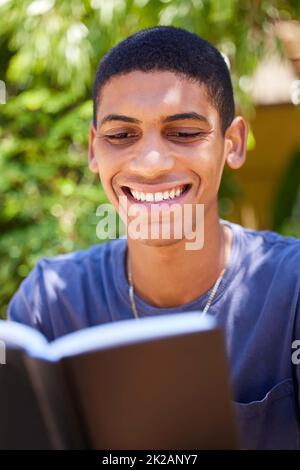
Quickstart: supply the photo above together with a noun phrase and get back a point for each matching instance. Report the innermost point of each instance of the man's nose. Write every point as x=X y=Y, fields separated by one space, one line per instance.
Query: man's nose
x=152 y=159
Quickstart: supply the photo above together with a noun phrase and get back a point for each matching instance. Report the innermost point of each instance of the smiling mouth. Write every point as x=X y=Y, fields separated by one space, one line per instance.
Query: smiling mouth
x=157 y=196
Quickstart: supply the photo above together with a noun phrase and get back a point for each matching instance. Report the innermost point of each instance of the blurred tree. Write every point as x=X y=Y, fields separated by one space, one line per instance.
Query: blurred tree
x=287 y=203
x=49 y=51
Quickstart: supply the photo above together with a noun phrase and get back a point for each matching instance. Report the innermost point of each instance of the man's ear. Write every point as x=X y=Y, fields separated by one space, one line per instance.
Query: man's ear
x=236 y=143
x=93 y=165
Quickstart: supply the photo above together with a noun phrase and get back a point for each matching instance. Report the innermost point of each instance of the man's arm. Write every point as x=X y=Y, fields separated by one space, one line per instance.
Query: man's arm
x=29 y=304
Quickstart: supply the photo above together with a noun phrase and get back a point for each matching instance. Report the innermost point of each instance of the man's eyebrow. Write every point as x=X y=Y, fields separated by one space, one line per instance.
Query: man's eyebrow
x=119 y=117
x=171 y=118
x=182 y=116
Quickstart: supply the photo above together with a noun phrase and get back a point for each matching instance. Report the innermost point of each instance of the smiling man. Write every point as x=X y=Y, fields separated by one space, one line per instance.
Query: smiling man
x=164 y=127
x=166 y=139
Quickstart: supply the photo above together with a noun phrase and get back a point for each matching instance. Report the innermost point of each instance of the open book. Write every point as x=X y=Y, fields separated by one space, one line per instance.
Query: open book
x=156 y=383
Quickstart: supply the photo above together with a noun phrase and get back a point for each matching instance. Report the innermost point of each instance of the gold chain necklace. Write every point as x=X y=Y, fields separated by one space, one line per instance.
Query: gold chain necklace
x=204 y=311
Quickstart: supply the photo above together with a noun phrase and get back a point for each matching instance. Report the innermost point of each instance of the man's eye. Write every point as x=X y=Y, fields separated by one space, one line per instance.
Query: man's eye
x=121 y=136
x=185 y=134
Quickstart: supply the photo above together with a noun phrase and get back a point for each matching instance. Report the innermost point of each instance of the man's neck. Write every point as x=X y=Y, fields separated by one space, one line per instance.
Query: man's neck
x=170 y=276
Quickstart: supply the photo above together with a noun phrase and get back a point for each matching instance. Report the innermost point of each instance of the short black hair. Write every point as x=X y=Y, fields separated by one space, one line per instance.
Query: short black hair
x=166 y=48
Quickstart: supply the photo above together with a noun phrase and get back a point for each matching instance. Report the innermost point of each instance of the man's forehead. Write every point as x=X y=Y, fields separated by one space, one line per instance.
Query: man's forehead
x=183 y=116
x=158 y=92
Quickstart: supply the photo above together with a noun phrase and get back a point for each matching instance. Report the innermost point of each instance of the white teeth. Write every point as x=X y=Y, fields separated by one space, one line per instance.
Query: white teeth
x=157 y=197
x=149 y=197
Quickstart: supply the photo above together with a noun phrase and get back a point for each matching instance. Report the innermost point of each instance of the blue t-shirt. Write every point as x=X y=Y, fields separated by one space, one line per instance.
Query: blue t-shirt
x=257 y=302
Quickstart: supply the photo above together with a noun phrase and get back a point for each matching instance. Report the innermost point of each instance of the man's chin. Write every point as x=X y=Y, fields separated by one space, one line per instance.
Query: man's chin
x=160 y=242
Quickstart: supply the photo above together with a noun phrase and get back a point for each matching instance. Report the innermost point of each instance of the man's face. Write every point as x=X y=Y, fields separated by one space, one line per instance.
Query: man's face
x=158 y=140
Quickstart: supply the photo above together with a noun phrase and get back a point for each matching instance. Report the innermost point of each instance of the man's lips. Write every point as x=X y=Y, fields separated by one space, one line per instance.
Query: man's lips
x=156 y=193
x=155 y=187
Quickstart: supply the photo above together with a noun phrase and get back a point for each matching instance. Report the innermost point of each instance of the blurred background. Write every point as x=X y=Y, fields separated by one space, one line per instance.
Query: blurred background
x=49 y=52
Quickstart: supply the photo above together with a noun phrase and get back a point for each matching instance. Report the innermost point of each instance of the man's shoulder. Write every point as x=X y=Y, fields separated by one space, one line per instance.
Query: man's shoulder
x=64 y=292
x=267 y=238
x=270 y=240
x=81 y=258
x=268 y=249
x=78 y=269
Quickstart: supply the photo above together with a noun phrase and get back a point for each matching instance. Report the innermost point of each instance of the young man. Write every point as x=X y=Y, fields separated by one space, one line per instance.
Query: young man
x=163 y=129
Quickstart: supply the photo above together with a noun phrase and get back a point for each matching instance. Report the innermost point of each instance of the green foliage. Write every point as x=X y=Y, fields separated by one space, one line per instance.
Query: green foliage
x=49 y=51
